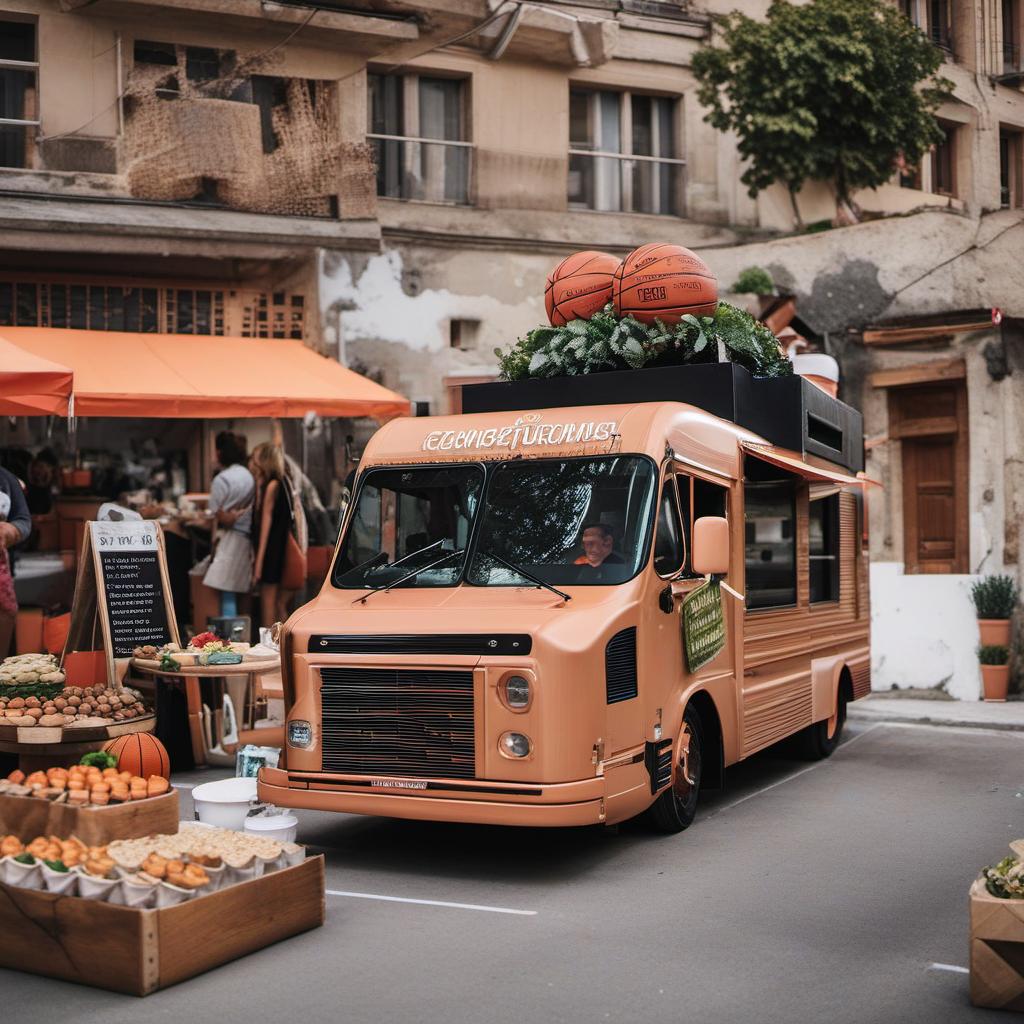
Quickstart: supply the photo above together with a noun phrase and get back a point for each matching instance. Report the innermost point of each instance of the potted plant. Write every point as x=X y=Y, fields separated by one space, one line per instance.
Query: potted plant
x=995 y=671
x=994 y=599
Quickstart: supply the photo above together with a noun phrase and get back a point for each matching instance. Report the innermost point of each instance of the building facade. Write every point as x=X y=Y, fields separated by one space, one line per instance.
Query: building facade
x=391 y=183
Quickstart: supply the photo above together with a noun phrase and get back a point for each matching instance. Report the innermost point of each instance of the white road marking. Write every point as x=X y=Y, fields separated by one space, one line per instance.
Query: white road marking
x=952 y=968
x=431 y=903
x=795 y=775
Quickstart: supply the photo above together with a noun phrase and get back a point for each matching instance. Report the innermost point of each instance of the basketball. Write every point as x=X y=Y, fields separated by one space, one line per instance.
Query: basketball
x=142 y=754
x=579 y=286
x=664 y=282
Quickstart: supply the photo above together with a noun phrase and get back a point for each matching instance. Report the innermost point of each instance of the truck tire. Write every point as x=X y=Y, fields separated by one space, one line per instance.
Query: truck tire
x=676 y=807
x=819 y=740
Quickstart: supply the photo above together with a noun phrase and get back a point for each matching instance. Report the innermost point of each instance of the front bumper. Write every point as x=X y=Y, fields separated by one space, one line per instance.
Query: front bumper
x=473 y=802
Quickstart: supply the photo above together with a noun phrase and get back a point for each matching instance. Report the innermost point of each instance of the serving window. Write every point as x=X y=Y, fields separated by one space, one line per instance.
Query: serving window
x=823 y=544
x=770 y=536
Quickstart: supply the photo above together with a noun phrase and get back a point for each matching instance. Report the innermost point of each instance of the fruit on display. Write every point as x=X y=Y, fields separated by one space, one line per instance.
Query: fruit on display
x=84 y=785
x=140 y=754
x=32 y=692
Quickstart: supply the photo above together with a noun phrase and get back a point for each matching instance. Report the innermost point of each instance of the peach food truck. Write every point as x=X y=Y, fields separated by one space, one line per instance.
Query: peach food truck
x=581 y=600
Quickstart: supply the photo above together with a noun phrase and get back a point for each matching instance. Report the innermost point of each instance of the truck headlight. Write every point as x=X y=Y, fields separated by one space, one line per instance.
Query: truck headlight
x=514 y=744
x=517 y=692
x=300 y=733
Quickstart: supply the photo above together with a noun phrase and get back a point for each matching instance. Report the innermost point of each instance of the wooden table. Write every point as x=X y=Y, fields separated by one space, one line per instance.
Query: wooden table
x=42 y=747
x=191 y=674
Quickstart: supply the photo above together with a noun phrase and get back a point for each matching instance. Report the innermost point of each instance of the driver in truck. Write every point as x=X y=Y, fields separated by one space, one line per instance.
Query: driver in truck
x=598 y=542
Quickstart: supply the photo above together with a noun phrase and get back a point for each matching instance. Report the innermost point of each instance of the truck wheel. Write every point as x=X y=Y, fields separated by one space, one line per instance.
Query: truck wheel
x=819 y=740
x=676 y=807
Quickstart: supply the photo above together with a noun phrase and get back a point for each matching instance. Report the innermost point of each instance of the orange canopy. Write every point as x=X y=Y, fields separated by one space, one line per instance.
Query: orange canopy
x=31 y=385
x=203 y=376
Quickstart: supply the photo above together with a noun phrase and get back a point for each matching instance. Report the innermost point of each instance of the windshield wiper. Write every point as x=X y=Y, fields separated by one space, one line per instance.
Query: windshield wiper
x=411 y=575
x=536 y=580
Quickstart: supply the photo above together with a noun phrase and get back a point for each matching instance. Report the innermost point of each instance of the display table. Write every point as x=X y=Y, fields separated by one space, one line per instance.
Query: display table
x=37 y=746
x=244 y=674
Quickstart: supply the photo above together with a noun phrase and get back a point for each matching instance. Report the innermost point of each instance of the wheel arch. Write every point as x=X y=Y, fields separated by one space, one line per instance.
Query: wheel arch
x=714 y=748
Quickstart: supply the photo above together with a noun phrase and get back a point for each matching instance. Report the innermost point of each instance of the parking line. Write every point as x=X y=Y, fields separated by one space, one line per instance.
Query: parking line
x=952 y=968
x=431 y=903
x=795 y=775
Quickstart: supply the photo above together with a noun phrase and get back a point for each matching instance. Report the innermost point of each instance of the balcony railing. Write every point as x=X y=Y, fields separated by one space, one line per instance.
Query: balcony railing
x=428 y=170
x=626 y=183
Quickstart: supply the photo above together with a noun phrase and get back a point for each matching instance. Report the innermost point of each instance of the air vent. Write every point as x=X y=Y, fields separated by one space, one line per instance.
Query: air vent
x=620 y=666
x=411 y=643
x=658 y=760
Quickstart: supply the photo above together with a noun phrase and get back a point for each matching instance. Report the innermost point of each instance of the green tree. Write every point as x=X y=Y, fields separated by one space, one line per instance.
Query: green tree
x=832 y=90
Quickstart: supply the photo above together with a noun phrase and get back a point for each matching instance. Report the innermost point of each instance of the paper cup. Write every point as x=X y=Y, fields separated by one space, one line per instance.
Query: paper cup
x=24 y=876
x=64 y=883
x=168 y=895
x=132 y=893
x=91 y=887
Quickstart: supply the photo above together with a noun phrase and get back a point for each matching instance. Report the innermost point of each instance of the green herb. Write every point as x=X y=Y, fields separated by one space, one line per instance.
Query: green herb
x=995 y=597
x=993 y=654
x=99 y=759
x=168 y=664
x=56 y=865
x=44 y=691
x=25 y=858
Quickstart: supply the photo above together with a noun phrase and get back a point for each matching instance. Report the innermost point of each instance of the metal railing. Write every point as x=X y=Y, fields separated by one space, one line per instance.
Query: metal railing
x=427 y=170
x=626 y=182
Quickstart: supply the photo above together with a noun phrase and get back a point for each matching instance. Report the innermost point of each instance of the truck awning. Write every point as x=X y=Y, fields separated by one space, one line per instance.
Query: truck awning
x=203 y=376
x=794 y=463
x=31 y=385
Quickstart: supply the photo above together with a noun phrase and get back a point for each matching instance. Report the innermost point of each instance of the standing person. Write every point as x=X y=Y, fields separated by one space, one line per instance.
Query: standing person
x=15 y=526
x=231 y=501
x=277 y=525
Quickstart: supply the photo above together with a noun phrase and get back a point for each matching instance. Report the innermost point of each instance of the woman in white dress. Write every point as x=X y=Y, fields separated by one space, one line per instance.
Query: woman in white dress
x=231 y=499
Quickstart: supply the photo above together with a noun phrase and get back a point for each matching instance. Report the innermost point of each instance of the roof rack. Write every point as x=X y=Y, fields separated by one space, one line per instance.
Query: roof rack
x=790 y=412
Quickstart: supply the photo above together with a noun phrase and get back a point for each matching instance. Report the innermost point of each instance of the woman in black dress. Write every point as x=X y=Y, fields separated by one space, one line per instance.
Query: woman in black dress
x=273 y=520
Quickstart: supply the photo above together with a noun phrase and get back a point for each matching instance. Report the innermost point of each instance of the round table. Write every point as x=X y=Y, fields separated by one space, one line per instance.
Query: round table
x=246 y=671
x=43 y=746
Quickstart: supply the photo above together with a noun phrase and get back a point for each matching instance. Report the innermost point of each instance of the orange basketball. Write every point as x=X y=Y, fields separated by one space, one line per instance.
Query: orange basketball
x=579 y=286
x=664 y=282
x=142 y=754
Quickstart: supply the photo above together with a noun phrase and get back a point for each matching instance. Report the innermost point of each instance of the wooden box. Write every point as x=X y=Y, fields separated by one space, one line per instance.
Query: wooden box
x=140 y=951
x=997 y=950
x=28 y=817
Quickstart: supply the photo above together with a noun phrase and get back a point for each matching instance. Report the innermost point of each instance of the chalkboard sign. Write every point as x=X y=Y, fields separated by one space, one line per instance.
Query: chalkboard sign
x=133 y=585
x=123 y=587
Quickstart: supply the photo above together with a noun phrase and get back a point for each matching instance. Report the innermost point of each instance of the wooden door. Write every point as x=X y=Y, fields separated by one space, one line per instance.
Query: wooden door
x=930 y=504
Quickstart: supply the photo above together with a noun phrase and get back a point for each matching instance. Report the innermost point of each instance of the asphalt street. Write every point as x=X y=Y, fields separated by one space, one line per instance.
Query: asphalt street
x=828 y=892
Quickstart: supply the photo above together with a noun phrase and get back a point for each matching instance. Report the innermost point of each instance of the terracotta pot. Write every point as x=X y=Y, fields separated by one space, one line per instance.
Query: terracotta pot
x=995 y=680
x=994 y=632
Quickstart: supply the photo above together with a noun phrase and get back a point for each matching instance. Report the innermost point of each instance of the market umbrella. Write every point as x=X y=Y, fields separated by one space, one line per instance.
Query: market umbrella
x=31 y=385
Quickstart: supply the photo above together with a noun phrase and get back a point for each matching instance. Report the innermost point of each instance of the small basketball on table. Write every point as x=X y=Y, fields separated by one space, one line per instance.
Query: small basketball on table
x=142 y=754
x=664 y=282
x=579 y=287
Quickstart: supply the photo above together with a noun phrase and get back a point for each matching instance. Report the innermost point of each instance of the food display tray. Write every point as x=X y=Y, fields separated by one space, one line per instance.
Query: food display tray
x=140 y=951
x=29 y=816
x=54 y=736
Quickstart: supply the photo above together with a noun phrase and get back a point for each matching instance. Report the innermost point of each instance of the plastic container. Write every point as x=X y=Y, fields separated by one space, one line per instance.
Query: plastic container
x=281 y=827
x=225 y=803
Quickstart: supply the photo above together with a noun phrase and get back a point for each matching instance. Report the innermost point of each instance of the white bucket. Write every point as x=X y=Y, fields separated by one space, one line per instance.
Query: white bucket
x=224 y=803
x=281 y=827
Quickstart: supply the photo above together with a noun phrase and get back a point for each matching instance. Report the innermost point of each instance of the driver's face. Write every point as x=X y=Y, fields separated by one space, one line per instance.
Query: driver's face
x=597 y=546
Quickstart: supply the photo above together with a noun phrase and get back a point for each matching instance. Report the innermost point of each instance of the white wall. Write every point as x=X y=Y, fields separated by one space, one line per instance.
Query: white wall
x=924 y=632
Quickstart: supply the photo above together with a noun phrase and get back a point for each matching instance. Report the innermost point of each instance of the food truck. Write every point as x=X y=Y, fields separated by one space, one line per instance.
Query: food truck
x=581 y=600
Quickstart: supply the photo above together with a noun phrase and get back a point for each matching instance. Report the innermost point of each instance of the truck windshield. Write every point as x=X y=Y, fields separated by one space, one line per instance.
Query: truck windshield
x=406 y=519
x=567 y=521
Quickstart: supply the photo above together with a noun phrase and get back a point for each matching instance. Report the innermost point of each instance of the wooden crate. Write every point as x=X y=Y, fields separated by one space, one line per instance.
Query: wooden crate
x=28 y=817
x=997 y=950
x=140 y=951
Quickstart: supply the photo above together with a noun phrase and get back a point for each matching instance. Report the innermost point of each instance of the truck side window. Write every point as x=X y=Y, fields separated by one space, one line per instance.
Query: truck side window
x=823 y=547
x=769 y=497
x=669 y=542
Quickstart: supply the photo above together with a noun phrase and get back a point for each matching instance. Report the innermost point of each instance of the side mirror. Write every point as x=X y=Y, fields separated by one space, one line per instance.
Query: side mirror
x=710 y=555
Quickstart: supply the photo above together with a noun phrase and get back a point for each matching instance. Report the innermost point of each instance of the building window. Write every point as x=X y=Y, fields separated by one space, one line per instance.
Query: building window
x=1011 y=36
x=623 y=153
x=1011 y=169
x=418 y=130
x=462 y=334
x=944 y=162
x=930 y=423
x=19 y=110
x=770 y=536
x=823 y=547
x=909 y=9
x=940 y=23
x=669 y=544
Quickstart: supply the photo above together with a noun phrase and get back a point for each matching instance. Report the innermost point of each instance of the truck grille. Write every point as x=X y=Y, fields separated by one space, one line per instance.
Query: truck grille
x=401 y=722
